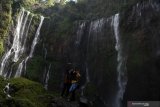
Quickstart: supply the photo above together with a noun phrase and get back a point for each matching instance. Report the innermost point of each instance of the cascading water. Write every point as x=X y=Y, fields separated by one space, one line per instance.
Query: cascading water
x=80 y=33
x=6 y=90
x=36 y=37
x=19 y=70
x=17 y=43
x=87 y=81
x=44 y=51
x=24 y=45
x=24 y=62
x=121 y=67
x=94 y=30
x=34 y=41
x=20 y=67
x=18 y=40
x=47 y=78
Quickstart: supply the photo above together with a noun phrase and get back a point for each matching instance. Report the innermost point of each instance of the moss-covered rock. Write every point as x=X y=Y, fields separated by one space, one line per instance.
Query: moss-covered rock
x=35 y=66
x=25 y=93
x=2 y=85
x=5 y=17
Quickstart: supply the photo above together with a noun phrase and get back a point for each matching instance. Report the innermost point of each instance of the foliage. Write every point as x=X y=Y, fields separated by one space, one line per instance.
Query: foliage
x=2 y=84
x=25 y=93
x=35 y=66
x=5 y=21
x=5 y=17
x=1 y=47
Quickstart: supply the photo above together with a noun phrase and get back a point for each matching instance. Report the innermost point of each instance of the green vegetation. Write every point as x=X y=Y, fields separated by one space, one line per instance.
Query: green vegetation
x=1 y=47
x=5 y=21
x=25 y=93
x=35 y=67
x=2 y=85
x=5 y=17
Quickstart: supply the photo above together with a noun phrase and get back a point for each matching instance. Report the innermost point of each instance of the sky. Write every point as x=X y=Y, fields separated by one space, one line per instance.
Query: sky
x=72 y=0
x=66 y=0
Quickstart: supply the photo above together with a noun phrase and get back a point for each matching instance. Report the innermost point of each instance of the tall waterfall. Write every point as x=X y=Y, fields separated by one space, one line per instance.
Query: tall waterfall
x=18 y=42
x=94 y=29
x=18 y=46
x=35 y=40
x=19 y=70
x=121 y=67
x=20 y=67
x=36 y=37
x=80 y=32
x=87 y=81
x=44 y=51
x=47 y=78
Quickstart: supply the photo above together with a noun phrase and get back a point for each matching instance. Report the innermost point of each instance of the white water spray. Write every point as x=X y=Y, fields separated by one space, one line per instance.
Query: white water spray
x=24 y=44
x=36 y=38
x=80 y=32
x=6 y=90
x=121 y=67
x=19 y=70
x=19 y=34
x=87 y=81
x=24 y=62
x=47 y=78
x=17 y=42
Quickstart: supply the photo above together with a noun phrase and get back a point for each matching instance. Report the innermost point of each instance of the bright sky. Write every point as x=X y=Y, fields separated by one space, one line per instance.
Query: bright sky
x=66 y=0
x=72 y=0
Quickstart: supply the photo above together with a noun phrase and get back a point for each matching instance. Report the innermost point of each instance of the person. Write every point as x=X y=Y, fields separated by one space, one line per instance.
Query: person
x=75 y=77
x=67 y=80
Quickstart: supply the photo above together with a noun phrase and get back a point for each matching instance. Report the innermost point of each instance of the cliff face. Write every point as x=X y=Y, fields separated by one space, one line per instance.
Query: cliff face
x=139 y=27
x=91 y=46
x=110 y=51
x=5 y=17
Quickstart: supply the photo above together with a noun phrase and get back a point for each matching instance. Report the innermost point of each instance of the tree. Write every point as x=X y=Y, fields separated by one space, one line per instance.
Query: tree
x=51 y=2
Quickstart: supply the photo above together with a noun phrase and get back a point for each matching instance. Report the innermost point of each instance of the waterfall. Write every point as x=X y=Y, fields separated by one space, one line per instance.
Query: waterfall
x=47 y=78
x=16 y=48
x=18 y=40
x=87 y=81
x=35 y=40
x=19 y=70
x=10 y=74
x=6 y=90
x=121 y=68
x=44 y=51
x=80 y=32
x=24 y=44
x=20 y=67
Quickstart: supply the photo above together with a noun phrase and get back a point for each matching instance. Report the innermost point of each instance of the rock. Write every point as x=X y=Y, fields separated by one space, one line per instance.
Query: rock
x=61 y=102
x=83 y=101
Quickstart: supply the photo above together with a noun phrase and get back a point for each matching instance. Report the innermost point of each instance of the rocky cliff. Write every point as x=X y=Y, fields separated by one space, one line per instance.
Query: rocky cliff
x=117 y=51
